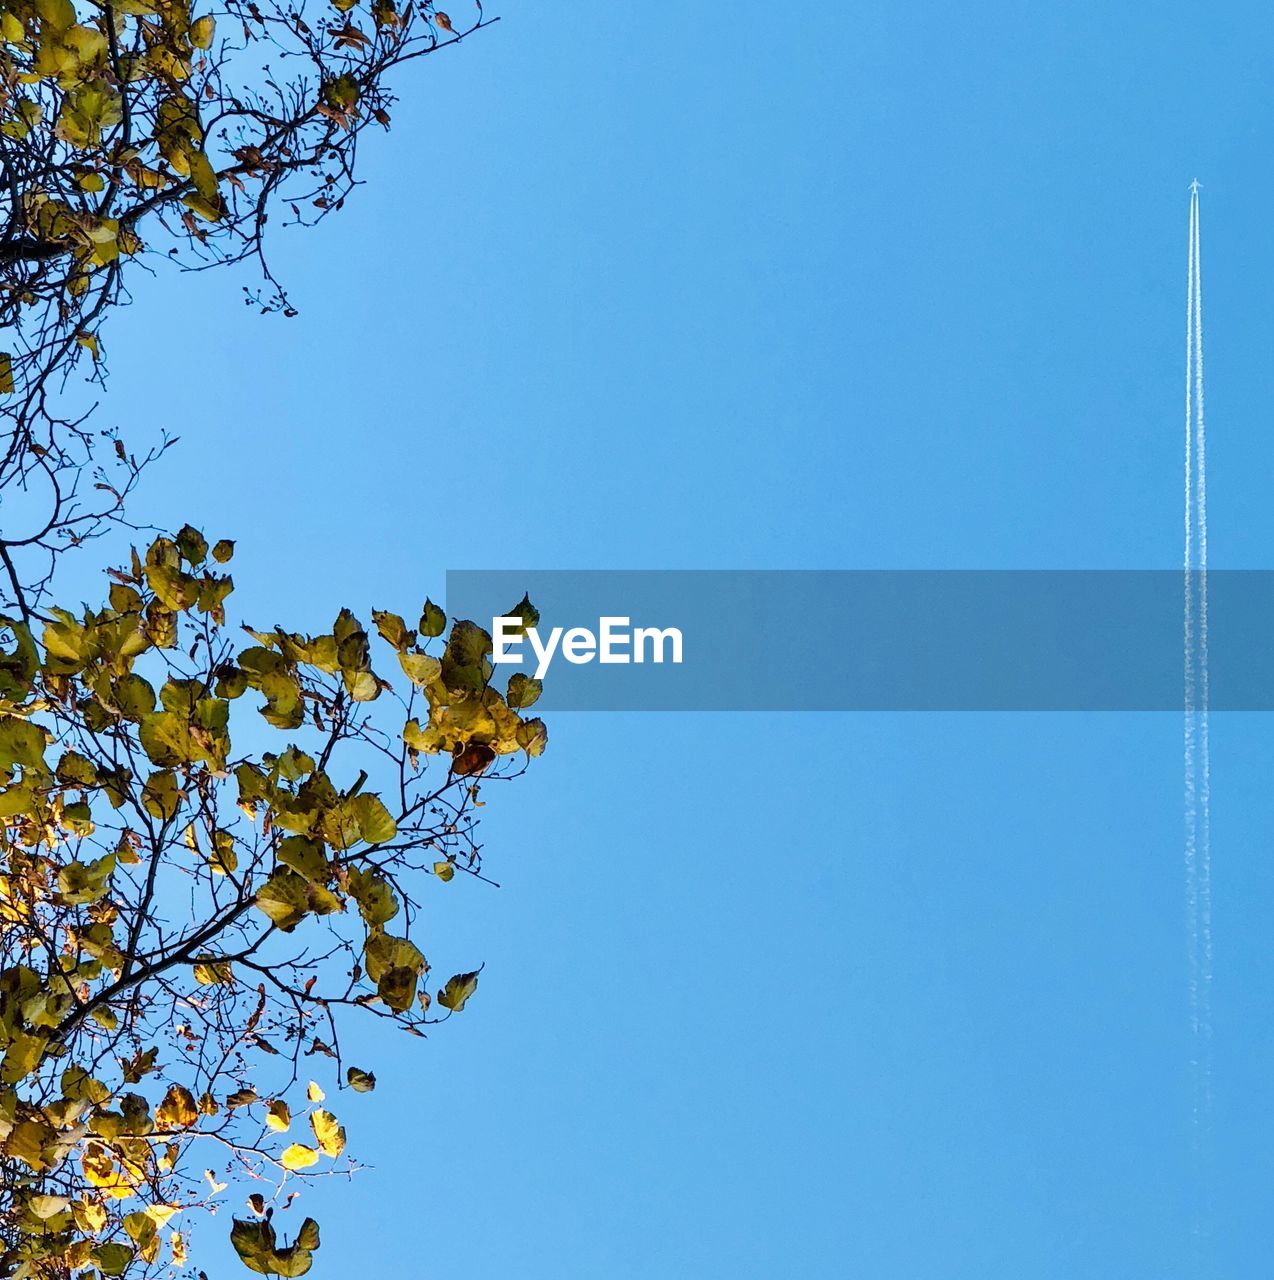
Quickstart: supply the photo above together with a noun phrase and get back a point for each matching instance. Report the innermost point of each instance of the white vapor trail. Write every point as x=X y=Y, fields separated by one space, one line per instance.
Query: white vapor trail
x=1198 y=848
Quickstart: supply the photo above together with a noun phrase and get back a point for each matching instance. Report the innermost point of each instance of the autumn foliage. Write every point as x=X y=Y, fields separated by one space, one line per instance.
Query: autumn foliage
x=200 y=890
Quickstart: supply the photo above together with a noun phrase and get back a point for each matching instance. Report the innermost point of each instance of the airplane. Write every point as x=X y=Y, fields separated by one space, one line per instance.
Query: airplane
x=1194 y=187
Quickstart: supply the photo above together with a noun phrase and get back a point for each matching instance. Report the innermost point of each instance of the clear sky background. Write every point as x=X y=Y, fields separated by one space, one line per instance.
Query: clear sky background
x=710 y=286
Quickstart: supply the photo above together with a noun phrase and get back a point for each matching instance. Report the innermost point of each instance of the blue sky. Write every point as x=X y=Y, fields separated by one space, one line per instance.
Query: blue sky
x=749 y=286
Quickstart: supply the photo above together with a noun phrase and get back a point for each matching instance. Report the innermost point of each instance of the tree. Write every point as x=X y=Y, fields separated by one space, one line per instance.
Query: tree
x=133 y=131
x=189 y=919
x=187 y=925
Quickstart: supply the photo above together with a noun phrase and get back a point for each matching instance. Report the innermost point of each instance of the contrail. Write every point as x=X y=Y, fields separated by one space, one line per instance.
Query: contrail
x=1198 y=848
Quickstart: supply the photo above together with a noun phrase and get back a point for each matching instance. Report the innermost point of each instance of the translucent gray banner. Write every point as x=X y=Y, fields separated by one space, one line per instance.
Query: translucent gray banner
x=881 y=640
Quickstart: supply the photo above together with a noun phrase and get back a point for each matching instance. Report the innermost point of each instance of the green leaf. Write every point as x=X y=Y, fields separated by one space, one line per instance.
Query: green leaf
x=211 y=972
x=526 y=612
x=81 y=883
x=376 y=901
x=456 y=993
x=202 y=31
x=433 y=622
x=254 y=1243
x=21 y=742
x=190 y=542
x=165 y=738
x=288 y=898
x=464 y=661
x=305 y=857
x=161 y=797
x=395 y=966
x=523 y=691
x=393 y=629
x=533 y=737
x=77 y=770
x=133 y=696
x=375 y=825
x=22 y=1057
x=359 y=1080
x=112 y=1259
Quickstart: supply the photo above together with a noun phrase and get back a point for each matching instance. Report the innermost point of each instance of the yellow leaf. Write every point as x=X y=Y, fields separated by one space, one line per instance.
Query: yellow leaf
x=177 y=1110
x=329 y=1133
x=203 y=176
x=278 y=1116
x=299 y=1157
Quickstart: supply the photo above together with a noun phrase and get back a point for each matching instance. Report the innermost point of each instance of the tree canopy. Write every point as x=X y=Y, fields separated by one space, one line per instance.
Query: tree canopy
x=214 y=851
x=188 y=924
x=136 y=132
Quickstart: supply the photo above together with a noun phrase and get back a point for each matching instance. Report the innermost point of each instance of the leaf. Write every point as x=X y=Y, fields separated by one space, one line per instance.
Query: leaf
x=210 y=972
x=223 y=551
x=420 y=668
x=392 y=628
x=279 y=1116
x=288 y=898
x=298 y=1156
x=523 y=691
x=305 y=857
x=464 y=661
x=46 y=1207
x=395 y=966
x=456 y=993
x=76 y=769
x=314 y=1093
x=433 y=622
x=21 y=1057
x=161 y=797
x=21 y=742
x=376 y=901
x=472 y=760
x=208 y=209
x=80 y=883
x=375 y=825
x=112 y=1259
x=202 y=31
x=526 y=613
x=192 y=545
x=533 y=736
x=254 y=1243
x=177 y=1110
x=359 y=1080
x=329 y=1134
x=6 y=374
